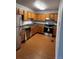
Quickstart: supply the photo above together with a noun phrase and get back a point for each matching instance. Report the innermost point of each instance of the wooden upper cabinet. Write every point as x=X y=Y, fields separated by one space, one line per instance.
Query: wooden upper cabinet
x=25 y=16
x=40 y=17
x=46 y=15
x=37 y=16
x=54 y=16
x=20 y=11
x=17 y=10
x=51 y=15
x=43 y=17
x=33 y=16
x=29 y=14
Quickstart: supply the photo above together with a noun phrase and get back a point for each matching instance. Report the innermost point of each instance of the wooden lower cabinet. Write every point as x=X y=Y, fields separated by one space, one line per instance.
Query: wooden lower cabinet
x=54 y=31
x=37 y=29
x=20 y=37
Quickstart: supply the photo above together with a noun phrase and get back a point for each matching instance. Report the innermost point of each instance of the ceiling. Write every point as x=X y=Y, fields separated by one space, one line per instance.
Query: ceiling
x=51 y=4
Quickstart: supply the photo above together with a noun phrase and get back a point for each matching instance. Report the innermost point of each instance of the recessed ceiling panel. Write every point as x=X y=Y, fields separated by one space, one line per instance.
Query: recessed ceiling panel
x=50 y=4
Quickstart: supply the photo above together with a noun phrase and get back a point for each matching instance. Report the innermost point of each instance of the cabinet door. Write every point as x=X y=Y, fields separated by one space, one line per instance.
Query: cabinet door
x=34 y=29
x=54 y=16
x=37 y=29
x=40 y=17
x=40 y=28
x=25 y=16
x=21 y=11
x=51 y=16
x=33 y=16
x=29 y=15
x=43 y=17
x=17 y=10
x=46 y=15
x=37 y=16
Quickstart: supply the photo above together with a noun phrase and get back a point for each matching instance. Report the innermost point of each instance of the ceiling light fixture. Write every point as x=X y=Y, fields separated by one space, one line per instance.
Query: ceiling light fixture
x=40 y=5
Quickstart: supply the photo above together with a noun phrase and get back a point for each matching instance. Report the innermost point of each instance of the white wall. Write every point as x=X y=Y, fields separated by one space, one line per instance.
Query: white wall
x=23 y=7
x=59 y=32
x=49 y=11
